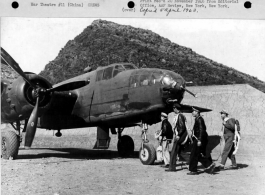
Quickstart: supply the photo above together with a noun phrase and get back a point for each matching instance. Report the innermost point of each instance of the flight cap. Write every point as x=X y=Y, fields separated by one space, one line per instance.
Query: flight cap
x=224 y=112
x=164 y=114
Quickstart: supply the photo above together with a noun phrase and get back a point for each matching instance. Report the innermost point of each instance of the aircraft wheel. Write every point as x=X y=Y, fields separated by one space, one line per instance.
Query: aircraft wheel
x=10 y=145
x=125 y=146
x=147 y=154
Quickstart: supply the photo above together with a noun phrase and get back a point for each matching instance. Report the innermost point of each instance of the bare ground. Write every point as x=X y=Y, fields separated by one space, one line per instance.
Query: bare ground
x=69 y=165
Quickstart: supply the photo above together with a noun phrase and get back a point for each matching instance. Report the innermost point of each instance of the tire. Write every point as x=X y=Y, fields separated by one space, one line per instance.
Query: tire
x=147 y=154
x=10 y=145
x=125 y=146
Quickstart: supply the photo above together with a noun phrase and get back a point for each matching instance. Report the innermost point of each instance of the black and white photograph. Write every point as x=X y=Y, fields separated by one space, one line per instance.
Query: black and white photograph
x=132 y=106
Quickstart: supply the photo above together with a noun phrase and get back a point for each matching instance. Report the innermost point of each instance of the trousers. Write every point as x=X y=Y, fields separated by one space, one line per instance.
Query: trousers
x=198 y=154
x=228 y=149
x=165 y=151
x=176 y=149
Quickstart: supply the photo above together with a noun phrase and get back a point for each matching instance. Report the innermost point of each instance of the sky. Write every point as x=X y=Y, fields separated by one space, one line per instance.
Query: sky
x=240 y=44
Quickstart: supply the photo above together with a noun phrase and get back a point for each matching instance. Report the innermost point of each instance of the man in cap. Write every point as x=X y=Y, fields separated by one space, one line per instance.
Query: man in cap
x=167 y=135
x=230 y=133
x=200 y=141
x=181 y=136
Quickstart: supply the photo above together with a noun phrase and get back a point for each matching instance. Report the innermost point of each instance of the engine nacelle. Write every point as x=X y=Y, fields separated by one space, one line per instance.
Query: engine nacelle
x=18 y=101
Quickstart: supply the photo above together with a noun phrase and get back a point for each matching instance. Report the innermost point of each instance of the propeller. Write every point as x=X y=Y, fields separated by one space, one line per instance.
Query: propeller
x=37 y=92
x=32 y=125
x=69 y=86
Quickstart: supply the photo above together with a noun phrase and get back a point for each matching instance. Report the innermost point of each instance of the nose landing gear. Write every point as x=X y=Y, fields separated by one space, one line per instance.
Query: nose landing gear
x=147 y=153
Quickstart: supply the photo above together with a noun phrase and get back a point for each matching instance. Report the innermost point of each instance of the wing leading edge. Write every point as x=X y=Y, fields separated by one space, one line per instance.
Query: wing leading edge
x=188 y=108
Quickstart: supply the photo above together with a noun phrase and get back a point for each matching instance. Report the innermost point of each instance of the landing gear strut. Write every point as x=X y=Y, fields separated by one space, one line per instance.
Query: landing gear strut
x=147 y=153
x=125 y=144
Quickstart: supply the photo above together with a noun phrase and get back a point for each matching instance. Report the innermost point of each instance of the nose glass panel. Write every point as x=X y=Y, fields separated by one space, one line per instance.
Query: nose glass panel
x=173 y=79
x=168 y=80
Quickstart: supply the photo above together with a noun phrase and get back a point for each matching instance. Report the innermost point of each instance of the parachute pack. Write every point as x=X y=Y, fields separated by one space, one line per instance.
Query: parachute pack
x=238 y=125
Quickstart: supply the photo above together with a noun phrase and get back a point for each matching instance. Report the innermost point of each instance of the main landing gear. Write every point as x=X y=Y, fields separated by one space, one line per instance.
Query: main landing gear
x=10 y=141
x=125 y=144
x=147 y=153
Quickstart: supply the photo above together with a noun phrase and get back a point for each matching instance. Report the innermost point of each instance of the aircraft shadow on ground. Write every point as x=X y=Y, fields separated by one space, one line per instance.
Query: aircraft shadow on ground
x=213 y=142
x=73 y=153
x=91 y=154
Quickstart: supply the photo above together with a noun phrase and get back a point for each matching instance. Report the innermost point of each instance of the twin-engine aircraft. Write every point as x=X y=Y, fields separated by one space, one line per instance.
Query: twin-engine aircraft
x=110 y=98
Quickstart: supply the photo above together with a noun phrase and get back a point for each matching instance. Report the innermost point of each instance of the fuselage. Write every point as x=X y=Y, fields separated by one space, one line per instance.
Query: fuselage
x=118 y=95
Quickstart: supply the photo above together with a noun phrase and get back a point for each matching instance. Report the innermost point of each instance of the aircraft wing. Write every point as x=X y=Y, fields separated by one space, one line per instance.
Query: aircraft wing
x=188 y=108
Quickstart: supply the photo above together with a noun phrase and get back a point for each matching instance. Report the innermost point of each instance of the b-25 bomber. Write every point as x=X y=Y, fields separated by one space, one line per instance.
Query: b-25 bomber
x=110 y=98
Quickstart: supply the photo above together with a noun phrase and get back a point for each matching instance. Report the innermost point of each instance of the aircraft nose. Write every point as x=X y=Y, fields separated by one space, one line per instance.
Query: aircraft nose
x=173 y=80
x=174 y=87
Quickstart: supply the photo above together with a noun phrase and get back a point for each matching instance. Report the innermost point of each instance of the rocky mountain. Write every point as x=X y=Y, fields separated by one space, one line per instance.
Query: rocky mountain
x=104 y=42
x=7 y=72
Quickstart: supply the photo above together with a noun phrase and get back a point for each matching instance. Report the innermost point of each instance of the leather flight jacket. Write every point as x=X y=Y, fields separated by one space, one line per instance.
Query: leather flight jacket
x=180 y=124
x=166 y=129
x=199 y=128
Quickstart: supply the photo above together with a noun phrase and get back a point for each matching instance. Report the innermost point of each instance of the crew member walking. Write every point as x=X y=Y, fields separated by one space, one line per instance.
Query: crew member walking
x=200 y=141
x=229 y=132
x=181 y=136
x=167 y=135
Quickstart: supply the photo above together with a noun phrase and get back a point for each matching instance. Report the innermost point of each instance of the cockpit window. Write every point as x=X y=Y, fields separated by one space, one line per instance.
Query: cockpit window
x=107 y=73
x=156 y=77
x=99 y=75
x=129 y=66
x=145 y=80
x=118 y=69
x=134 y=81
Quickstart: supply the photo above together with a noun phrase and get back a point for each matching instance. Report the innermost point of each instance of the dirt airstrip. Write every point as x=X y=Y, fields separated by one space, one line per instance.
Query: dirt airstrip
x=69 y=165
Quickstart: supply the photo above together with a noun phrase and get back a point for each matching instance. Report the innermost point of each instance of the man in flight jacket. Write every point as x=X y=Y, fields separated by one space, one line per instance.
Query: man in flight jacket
x=181 y=136
x=167 y=135
x=200 y=141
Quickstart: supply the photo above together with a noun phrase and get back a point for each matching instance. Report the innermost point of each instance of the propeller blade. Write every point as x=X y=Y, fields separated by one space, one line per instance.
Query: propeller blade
x=32 y=125
x=69 y=86
x=7 y=59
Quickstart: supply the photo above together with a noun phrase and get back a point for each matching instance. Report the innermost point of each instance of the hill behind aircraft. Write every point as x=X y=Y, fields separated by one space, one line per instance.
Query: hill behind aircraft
x=111 y=98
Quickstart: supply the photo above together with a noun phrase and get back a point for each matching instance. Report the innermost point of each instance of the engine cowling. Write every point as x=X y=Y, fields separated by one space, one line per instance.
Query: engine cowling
x=18 y=101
